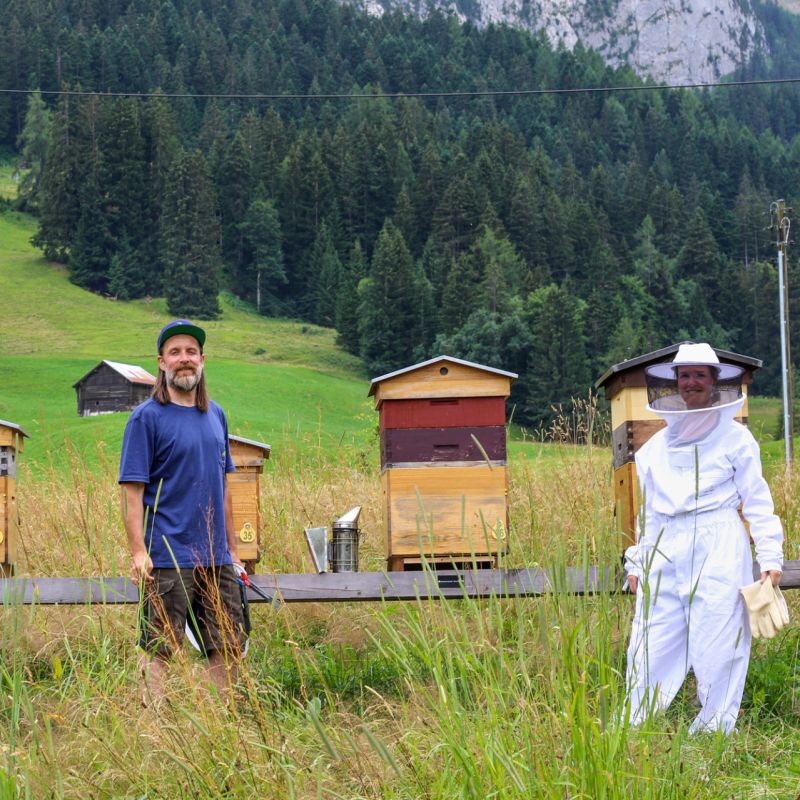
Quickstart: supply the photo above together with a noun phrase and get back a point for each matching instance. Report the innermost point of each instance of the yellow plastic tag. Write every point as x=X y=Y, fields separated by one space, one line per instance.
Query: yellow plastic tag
x=248 y=533
x=499 y=532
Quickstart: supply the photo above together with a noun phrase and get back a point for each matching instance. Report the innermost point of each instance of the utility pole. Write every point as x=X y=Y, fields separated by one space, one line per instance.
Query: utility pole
x=779 y=222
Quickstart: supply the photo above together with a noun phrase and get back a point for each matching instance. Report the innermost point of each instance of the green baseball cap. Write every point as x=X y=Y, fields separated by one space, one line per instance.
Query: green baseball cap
x=178 y=326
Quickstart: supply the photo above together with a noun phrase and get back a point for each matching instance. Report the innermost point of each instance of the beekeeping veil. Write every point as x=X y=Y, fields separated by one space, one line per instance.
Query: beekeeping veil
x=686 y=425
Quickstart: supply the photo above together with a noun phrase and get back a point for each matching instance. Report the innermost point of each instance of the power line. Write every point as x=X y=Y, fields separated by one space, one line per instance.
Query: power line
x=401 y=95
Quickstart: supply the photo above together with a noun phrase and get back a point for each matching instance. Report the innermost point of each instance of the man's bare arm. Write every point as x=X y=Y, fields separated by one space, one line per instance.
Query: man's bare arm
x=132 y=505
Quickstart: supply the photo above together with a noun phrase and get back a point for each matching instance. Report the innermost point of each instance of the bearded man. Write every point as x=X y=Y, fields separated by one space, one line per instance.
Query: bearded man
x=176 y=507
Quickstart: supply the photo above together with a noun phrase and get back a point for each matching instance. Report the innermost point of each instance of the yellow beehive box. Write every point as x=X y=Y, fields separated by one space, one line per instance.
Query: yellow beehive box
x=443 y=457
x=445 y=511
x=632 y=424
x=245 y=486
x=11 y=444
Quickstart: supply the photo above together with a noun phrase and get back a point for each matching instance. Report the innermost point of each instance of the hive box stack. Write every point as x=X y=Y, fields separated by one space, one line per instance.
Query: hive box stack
x=443 y=462
x=11 y=440
x=632 y=424
x=248 y=458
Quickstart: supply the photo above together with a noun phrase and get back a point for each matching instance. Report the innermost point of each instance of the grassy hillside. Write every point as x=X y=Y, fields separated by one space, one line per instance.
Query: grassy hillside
x=276 y=378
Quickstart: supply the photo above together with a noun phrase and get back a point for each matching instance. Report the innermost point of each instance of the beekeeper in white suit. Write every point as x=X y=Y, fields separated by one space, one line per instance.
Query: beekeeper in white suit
x=693 y=554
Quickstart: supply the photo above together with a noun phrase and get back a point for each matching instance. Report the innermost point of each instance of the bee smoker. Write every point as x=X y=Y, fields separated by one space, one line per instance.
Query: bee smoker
x=340 y=550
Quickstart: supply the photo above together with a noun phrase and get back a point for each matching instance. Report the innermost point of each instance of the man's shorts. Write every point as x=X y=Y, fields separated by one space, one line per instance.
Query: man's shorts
x=209 y=599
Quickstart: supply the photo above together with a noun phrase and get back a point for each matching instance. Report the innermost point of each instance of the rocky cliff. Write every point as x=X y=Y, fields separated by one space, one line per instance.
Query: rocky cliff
x=678 y=41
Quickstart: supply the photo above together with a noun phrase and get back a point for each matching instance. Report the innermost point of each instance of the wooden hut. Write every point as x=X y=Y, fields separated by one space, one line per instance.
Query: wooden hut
x=443 y=462
x=632 y=424
x=245 y=485
x=111 y=386
x=11 y=444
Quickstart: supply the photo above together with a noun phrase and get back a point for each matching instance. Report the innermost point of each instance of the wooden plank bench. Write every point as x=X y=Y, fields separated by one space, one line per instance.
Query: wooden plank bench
x=353 y=586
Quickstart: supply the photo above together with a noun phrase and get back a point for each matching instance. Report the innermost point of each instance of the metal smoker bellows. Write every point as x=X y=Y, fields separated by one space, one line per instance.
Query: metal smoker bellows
x=344 y=544
x=342 y=549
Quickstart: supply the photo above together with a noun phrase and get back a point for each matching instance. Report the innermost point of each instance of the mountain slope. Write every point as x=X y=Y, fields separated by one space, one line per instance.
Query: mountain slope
x=671 y=40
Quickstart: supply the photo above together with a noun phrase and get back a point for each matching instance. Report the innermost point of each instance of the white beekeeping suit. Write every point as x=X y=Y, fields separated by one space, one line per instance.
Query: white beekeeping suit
x=693 y=554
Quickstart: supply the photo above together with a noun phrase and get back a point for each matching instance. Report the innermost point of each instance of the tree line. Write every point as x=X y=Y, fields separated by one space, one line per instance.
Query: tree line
x=550 y=234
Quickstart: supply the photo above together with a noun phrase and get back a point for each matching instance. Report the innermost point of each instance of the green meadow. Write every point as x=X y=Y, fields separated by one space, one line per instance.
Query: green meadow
x=280 y=381
x=277 y=379
x=436 y=700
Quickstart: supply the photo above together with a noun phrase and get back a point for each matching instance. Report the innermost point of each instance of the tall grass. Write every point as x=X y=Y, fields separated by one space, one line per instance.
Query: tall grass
x=460 y=699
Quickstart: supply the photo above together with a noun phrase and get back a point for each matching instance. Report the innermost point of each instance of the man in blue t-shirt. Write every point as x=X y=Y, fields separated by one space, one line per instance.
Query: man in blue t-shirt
x=177 y=511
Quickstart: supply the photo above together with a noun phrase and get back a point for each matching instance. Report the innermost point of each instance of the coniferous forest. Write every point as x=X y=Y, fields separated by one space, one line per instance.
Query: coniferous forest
x=552 y=234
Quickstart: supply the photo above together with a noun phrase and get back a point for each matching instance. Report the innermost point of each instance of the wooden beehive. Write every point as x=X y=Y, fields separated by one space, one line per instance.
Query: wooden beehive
x=443 y=462
x=245 y=485
x=11 y=444
x=632 y=424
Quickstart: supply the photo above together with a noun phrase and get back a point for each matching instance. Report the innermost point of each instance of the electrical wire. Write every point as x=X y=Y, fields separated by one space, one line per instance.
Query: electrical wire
x=401 y=95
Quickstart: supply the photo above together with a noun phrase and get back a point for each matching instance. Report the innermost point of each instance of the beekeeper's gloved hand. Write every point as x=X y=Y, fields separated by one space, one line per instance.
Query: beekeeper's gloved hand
x=766 y=608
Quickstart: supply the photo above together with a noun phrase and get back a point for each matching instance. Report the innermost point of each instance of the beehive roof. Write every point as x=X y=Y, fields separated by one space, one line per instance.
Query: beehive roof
x=389 y=375
x=13 y=426
x=252 y=442
x=661 y=355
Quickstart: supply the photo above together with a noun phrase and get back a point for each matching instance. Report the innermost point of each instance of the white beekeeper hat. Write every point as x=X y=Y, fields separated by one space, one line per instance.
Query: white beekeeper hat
x=664 y=397
x=690 y=354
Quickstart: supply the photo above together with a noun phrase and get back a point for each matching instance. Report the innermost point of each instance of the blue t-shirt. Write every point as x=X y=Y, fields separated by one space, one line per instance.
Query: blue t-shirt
x=181 y=455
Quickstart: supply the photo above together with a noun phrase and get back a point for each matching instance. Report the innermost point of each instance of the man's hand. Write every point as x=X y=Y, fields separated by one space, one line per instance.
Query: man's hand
x=774 y=574
x=633 y=583
x=141 y=568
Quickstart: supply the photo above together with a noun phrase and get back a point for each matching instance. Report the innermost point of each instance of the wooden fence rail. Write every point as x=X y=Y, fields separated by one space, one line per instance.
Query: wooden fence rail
x=354 y=586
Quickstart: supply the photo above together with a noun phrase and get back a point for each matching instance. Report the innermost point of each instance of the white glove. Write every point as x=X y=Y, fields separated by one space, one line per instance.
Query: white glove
x=766 y=608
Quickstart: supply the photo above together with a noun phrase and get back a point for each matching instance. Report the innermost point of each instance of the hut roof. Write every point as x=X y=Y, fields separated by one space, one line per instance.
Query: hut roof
x=13 y=426
x=266 y=447
x=381 y=378
x=661 y=355
x=131 y=373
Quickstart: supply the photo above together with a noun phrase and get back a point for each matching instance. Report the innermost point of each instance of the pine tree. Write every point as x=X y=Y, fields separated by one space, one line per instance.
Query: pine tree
x=303 y=201
x=601 y=316
x=92 y=250
x=190 y=240
x=265 y=275
x=424 y=318
x=558 y=365
x=404 y=218
x=236 y=190
x=385 y=313
x=125 y=277
x=500 y=270
x=428 y=189
x=353 y=270
x=701 y=261
x=33 y=143
x=62 y=178
x=161 y=138
x=459 y=297
x=457 y=216
x=123 y=179
x=325 y=273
